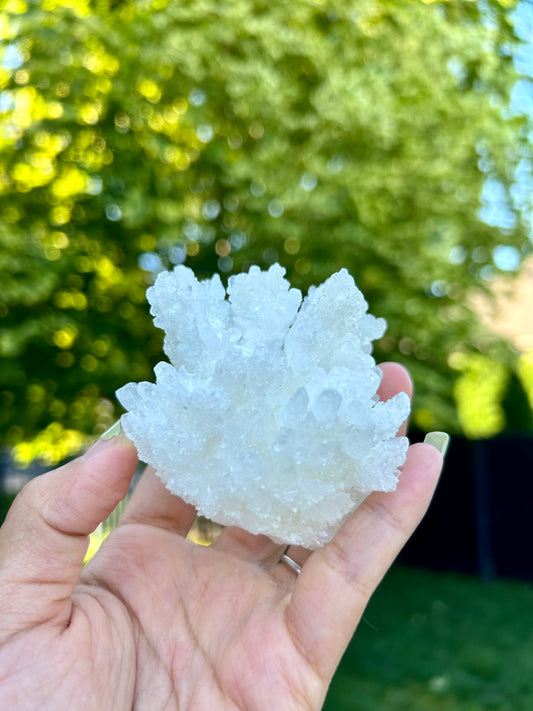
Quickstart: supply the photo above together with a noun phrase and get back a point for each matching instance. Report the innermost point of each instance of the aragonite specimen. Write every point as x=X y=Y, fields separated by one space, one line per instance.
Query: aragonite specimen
x=267 y=415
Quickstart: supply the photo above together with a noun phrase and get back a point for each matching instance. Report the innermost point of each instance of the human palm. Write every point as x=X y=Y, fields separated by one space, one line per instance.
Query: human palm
x=157 y=622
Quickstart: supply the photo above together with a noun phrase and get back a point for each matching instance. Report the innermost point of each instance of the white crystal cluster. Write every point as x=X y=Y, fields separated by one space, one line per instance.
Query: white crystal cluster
x=267 y=415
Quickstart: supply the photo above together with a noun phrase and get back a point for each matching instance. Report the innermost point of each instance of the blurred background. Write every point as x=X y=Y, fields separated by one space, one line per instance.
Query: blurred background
x=393 y=138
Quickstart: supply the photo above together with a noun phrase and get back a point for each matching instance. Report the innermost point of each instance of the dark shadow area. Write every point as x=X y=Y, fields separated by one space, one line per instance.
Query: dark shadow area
x=480 y=518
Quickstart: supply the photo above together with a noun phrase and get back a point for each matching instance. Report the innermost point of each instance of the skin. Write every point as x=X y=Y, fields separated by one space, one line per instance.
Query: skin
x=156 y=622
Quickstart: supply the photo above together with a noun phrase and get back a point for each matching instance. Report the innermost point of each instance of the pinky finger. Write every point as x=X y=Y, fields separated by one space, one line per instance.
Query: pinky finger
x=337 y=581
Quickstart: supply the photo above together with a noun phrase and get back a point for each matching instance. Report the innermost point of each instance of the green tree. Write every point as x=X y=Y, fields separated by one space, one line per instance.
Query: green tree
x=137 y=135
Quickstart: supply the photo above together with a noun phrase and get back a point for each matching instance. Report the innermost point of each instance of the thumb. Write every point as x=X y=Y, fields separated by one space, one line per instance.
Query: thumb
x=45 y=535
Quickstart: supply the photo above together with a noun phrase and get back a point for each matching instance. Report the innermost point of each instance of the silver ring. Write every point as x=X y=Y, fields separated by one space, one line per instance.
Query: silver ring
x=290 y=562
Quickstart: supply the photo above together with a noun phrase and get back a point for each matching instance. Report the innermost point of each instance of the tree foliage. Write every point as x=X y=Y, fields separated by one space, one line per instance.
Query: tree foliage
x=136 y=135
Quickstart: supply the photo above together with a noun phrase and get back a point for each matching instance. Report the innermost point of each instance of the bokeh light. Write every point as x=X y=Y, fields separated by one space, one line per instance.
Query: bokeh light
x=391 y=140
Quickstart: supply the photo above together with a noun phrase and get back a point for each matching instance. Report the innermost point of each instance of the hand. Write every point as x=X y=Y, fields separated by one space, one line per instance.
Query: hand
x=156 y=622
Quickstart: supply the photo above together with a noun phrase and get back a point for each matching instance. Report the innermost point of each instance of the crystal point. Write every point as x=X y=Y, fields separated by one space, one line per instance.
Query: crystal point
x=267 y=416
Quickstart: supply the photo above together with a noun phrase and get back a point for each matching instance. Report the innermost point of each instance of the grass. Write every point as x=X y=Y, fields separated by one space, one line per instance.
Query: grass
x=440 y=642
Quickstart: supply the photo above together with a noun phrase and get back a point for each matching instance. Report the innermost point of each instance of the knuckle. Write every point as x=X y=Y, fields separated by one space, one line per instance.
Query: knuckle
x=32 y=495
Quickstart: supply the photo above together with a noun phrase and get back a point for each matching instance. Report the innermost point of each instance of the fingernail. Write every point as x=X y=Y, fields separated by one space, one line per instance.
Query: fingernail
x=104 y=441
x=113 y=431
x=439 y=440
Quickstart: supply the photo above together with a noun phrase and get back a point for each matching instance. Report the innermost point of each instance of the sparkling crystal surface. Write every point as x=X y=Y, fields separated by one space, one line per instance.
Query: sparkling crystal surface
x=267 y=415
